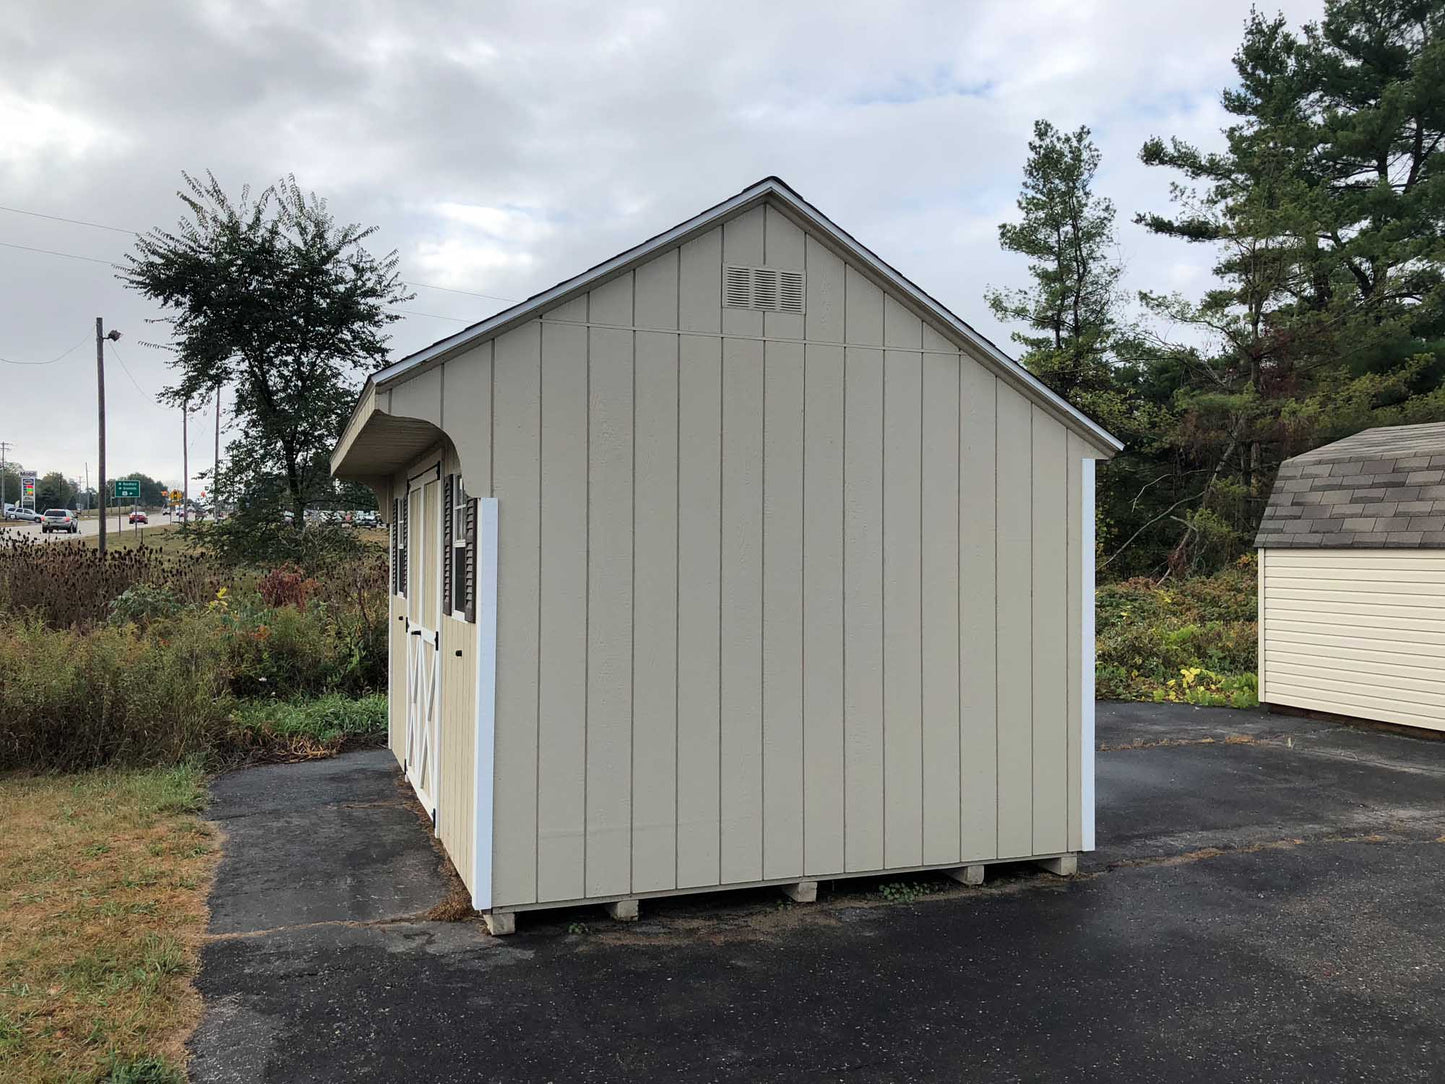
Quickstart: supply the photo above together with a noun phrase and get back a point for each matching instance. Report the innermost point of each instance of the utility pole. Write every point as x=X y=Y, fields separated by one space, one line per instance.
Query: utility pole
x=216 y=469
x=185 y=467
x=100 y=336
x=5 y=447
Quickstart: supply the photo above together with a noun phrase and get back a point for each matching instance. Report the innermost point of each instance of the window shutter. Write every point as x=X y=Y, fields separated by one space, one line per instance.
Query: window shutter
x=394 y=513
x=449 y=486
x=403 y=542
x=470 y=580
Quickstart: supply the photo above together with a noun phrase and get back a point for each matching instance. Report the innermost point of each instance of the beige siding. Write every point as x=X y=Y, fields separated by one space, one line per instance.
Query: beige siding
x=1355 y=632
x=780 y=595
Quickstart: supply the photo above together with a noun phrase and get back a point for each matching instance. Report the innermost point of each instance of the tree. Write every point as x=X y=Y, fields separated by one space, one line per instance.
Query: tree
x=272 y=296
x=53 y=490
x=1327 y=212
x=1067 y=232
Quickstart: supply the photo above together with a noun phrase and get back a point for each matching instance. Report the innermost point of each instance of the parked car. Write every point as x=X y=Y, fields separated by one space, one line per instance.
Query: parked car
x=138 y=517
x=59 y=519
x=24 y=515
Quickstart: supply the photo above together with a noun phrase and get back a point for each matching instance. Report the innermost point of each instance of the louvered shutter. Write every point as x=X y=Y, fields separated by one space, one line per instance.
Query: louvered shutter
x=449 y=486
x=403 y=546
x=393 y=546
x=470 y=562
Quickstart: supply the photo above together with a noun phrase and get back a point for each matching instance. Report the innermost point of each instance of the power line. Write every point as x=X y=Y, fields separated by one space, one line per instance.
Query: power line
x=52 y=252
x=126 y=369
x=136 y=233
x=72 y=221
x=53 y=360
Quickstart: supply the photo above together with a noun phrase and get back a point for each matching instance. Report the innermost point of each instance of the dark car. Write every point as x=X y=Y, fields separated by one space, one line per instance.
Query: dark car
x=59 y=519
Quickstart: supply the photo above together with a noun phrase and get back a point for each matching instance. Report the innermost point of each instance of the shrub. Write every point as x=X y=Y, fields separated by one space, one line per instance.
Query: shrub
x=142 y=604
x=1193 y=641
x=72 y=700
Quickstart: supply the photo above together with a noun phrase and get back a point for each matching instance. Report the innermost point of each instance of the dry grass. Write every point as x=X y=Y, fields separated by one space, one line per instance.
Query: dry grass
x=103 y=883
x=167 y=538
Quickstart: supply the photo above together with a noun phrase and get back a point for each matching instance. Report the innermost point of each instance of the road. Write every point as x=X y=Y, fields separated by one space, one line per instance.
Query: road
x=1264 y=905
x=88 y=528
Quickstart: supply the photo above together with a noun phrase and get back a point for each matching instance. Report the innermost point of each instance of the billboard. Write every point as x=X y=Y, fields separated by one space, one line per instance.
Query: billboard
x=27 y=487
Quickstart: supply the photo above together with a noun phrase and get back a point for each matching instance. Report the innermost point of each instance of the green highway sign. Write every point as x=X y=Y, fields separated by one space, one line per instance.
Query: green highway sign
x=127 y=487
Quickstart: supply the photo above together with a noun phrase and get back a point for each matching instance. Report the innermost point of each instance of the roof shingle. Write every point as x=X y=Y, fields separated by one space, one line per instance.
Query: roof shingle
x=1380 y=487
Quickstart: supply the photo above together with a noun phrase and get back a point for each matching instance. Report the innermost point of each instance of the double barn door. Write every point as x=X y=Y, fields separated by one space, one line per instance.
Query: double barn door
x=423 y=639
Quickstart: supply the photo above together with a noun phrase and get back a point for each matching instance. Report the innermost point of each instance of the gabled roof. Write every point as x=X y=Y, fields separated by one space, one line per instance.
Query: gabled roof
x=774 y=189
x=1381 y=488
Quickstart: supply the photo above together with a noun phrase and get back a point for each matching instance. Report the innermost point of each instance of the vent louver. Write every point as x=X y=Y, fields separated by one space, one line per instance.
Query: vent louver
x=765 y=289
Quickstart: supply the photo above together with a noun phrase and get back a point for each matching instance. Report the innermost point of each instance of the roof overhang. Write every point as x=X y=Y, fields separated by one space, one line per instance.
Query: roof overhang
x=770 y=188
x=376 y=444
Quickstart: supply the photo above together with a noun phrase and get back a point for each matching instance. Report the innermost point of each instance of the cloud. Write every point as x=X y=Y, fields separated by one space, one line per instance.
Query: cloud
x=502 y=147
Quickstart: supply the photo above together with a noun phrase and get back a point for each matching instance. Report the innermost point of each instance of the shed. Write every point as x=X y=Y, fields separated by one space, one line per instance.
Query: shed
x=736 y=560
x=1352 y=579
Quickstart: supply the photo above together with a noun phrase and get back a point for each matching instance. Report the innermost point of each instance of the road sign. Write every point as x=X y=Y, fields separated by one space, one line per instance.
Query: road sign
x=176 y=496
x=127 y=488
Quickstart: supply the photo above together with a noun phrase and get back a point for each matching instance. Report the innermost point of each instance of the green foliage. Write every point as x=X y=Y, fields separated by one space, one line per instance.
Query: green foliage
x=908 y=891
x=1193 y=641
x=143 y=603
x=328 y=722
x=1325 y=213
x=142 y=1070
x=271 y=296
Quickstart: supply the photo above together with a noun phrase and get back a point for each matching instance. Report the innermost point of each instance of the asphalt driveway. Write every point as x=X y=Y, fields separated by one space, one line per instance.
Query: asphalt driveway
x=1266 y=904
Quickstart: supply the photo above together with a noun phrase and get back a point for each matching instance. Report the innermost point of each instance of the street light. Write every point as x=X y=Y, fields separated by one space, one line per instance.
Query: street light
x=100 y=337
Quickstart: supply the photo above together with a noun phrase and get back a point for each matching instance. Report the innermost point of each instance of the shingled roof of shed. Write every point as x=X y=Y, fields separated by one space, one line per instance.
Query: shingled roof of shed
x=1381 y=488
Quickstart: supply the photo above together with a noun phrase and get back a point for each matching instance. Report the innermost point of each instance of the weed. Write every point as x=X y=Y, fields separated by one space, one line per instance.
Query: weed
x=577 y=928
x=908 y=891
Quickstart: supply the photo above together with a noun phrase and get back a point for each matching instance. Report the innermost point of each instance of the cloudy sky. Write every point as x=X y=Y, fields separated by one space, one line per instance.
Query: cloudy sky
x=503 y=146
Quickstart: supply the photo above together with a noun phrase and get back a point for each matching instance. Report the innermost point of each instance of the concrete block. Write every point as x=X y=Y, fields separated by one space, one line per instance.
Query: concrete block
x=622 y=910
x=968 y=875
x=500 y=923
x=802 y=891
x=1064 y=866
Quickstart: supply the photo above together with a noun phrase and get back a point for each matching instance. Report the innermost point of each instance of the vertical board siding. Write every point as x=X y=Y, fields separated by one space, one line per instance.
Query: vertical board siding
x=782 y=641
x=742 y=610
x=1049 y=642
x=699 y=605
x=1014 y=557
x=609 y=599
x=902 y=588
x=562 y=660
x=768 y=609
x=396 y=677
x=940 y=602
x=863 y=576
x=654 y=666
x=978 y=612
x=516 y=473
x=456 y=801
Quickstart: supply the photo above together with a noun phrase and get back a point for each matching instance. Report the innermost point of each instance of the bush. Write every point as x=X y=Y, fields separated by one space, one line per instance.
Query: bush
x=72 y=700
x=1194 y=641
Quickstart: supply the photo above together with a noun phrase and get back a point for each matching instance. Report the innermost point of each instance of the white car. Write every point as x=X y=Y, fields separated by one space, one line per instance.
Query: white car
x=24 y=515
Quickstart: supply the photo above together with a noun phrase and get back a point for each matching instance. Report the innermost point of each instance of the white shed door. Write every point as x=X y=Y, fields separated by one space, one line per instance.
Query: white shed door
x=423 y=641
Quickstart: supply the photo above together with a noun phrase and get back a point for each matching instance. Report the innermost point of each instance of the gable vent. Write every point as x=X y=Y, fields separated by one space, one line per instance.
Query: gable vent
x=765 y=289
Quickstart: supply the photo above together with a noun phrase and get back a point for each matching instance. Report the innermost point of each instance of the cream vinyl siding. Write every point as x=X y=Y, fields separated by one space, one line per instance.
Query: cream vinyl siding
x=779 y=595
x=1355 y=632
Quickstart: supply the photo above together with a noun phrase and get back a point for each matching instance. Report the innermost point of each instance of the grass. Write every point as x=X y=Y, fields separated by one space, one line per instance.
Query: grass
x=166 y=538
x=1193 y=641
x=305 y=729
x=103 y=881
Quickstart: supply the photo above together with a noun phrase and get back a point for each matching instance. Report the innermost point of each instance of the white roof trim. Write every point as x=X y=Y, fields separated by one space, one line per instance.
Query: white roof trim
x=775 y=188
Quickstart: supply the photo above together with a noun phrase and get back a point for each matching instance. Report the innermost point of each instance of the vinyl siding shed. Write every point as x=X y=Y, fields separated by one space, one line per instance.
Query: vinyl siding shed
x=1352 y=579
x=780 y=573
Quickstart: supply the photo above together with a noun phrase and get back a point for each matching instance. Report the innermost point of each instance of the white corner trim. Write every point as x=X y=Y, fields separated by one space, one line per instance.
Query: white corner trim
x=485 y=752
x=1086 y=671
